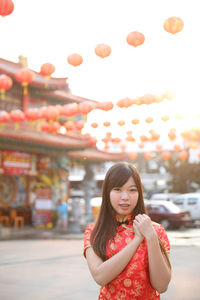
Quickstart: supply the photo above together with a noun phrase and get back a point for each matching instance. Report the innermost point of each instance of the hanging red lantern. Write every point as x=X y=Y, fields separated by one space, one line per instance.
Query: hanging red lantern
x=135 y=121
x=69 y=125
x=75 y=59
x=177 y=147
x=165 y=118
x=5 y=84
x=183 y=155
x=93 y=141
x=158 y=147
x=173 y=25
x=108 y=134
x=106 y=124
x=149 y=120
x=52 y=113
x=6 y=7
x=143 y=138
x=85 y=107
x=54 y=127
x=79 y=125
x=69 y=110
x=135 y=38
x=33 y=114
x=4 y=117
x=94 y=125
x=121 y=123
x=133 y=155
x=25 y=77
x=45 y=127
x=130 y=139
x=17 y=116
x=171 y=136
x=106 y=106
x=166 y=155
x=102 y=50
x=148 y=155
x=47 y=70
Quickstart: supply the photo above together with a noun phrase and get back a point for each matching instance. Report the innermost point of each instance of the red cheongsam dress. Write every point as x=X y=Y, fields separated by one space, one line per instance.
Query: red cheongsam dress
x=133 y=282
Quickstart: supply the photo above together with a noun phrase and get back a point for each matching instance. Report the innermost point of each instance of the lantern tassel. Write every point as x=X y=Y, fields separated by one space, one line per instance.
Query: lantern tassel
x=2 y=94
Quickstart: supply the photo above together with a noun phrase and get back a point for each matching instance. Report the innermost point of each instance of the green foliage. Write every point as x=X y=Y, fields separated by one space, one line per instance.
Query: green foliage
x=185 y=176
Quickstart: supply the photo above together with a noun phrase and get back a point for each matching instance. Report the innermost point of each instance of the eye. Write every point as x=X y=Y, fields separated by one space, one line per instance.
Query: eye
x=133 y=190
x=116 y=189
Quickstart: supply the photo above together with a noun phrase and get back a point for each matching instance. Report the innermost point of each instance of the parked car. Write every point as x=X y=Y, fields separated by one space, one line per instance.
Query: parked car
x=190 y=202
x=163 y=196
x=168 y=214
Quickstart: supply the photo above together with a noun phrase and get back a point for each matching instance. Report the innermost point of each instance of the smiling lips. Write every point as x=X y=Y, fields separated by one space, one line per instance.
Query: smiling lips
x=124 y=206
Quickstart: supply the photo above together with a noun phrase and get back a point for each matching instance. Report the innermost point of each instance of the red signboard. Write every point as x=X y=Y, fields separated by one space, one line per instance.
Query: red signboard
x=16 y=163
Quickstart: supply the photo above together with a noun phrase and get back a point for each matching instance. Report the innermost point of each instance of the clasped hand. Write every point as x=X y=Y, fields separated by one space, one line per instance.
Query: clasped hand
x=143 y=227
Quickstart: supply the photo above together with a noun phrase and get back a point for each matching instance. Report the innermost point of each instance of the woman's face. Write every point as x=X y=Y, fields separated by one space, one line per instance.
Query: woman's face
x=124 y=199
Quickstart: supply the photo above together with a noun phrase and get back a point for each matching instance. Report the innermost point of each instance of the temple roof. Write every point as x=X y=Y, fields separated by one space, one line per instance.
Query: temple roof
x=26 y=136
x=93 y=154
x=56 y=86
x=10 y=68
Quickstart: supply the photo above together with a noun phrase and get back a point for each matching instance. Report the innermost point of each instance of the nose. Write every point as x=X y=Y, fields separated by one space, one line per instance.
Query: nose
x=124 y=195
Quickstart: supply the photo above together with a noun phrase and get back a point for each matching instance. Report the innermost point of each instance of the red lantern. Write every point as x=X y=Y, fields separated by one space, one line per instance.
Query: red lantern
x=104 y=105
x=165 y=118
x=106 y=124
x=149 y=120
x=75 y=59
x=121 y=123
x=4 y=116
x=5 y=84
x=46 y=70
x=166 y=155
x=69 y=125
x=94 y=125
x=45 y=127
x=33 y=114
x=6 y=7
x=173 y=25
x=177 y=147
x=135 y=38
x=17 y=116
x=183 y=155
x=85 y=107
x=102 y=50
x=148 y=155
x=135 y=121
x=54 y=127
x=158 y=147
x=25 y=77
x=133 y=155
x=79 y=125
x=93 y=141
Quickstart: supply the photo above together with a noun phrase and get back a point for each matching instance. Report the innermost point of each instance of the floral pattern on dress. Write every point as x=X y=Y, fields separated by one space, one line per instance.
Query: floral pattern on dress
x=133 y=282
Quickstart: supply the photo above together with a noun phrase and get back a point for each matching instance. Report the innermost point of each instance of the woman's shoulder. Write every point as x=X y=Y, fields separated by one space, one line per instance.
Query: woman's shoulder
x=89 y=228
x=158 y=227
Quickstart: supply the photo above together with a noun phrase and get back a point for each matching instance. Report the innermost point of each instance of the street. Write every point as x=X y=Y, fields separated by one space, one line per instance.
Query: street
x=56 y=269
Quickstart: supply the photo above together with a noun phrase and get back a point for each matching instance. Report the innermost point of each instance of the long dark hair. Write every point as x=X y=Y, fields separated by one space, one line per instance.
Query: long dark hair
x=105 y=227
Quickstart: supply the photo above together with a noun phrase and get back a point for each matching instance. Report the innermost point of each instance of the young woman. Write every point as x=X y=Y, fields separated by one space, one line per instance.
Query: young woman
x=126 y=252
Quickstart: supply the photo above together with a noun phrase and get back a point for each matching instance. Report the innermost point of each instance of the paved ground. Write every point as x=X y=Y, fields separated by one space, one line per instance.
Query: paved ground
x=49 y=269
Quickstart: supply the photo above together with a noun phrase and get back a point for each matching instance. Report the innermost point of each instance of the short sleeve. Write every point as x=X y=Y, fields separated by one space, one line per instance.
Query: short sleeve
x=87 y=238
x=164 y=238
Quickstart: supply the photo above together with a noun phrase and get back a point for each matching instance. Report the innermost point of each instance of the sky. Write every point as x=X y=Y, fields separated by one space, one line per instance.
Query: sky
x=49 y=31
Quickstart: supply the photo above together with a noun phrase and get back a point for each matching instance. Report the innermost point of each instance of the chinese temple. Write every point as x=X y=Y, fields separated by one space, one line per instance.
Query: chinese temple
x=35 y=155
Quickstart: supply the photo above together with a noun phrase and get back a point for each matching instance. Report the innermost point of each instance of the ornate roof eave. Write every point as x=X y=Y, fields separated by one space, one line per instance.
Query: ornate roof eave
x=63 y=95
x=10 y=68
x=92 y=154
x=27 y=136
